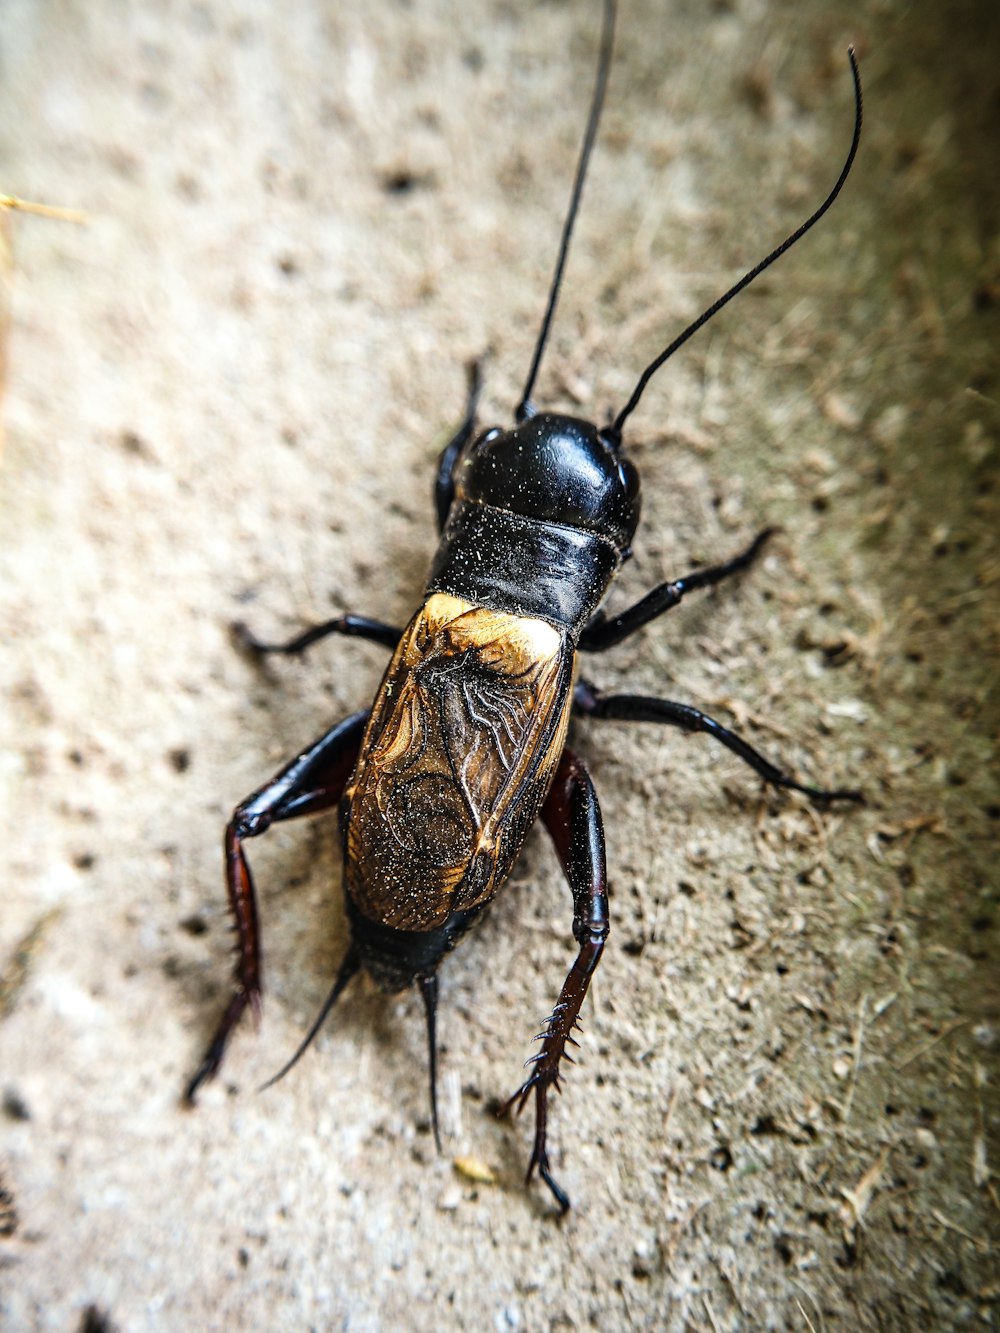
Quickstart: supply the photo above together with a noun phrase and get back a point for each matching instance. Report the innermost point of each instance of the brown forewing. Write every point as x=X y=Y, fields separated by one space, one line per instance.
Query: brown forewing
x=464 y=736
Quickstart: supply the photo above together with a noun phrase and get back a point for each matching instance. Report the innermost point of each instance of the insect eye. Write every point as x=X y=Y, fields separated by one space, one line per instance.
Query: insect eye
x=485 y=438
x=629 y=478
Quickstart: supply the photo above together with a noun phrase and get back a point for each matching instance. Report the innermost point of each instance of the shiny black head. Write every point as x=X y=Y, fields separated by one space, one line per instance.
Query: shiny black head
x=555 y=468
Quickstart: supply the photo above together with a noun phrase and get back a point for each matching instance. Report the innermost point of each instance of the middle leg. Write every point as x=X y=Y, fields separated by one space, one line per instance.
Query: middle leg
x=355 y=627
x=590 y=702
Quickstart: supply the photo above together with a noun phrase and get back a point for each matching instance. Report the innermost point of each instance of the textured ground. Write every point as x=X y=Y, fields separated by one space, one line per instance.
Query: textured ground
x=224 y=399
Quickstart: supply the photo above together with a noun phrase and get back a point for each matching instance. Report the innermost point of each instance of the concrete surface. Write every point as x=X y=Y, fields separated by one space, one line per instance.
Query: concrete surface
x=225 y=394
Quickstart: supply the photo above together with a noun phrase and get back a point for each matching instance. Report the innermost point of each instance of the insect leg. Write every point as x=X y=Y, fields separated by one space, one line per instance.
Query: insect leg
x=601 y=632
x=355 y=627
x=589 y=701
x=312 y=782
x=444 y=484
x=573 y=818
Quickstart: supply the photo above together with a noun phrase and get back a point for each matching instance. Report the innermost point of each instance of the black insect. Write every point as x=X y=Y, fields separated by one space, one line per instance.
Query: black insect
x=465 y=743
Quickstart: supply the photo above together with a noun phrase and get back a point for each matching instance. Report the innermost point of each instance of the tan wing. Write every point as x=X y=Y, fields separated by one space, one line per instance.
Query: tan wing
x=456 y=761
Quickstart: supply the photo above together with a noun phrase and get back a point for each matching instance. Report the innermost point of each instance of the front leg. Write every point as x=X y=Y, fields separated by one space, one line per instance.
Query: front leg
x=573 y=818
x=444 y=482
x=604 y=632
x=312 y=782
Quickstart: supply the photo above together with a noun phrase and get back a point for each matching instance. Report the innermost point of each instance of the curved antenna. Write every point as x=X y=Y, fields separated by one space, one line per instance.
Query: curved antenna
x=348 y=968
x=614 y=431
x=525 y=408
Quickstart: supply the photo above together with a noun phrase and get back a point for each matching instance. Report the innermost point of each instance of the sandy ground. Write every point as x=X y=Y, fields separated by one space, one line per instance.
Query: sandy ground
x=225 y=394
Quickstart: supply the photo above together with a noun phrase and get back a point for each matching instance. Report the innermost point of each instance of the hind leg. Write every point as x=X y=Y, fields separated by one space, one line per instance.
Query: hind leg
x=573 y=818
x=312 y=782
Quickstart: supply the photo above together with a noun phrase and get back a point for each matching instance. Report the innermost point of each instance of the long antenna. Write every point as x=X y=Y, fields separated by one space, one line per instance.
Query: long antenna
x=614 y=432
x=525 y=407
